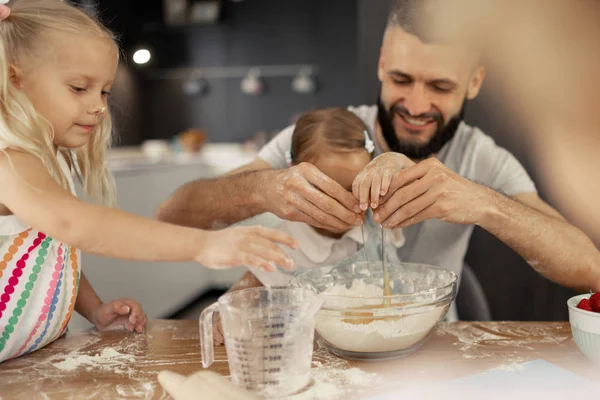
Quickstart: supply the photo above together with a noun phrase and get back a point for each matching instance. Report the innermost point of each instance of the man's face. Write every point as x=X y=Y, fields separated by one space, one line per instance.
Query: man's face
x=423 y=91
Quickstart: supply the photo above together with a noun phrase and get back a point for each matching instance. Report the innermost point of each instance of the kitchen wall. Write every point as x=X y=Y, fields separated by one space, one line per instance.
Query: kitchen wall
x=256 y=32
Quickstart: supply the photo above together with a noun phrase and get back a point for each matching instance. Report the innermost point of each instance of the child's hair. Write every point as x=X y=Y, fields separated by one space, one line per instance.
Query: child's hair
x=22 y=34
x=334 y=129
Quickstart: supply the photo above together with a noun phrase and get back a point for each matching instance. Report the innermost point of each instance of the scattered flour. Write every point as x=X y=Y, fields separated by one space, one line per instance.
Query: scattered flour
x=324 y=390
x=512 y=345
x=376 y=335
x=335 y=382
x=515 y=366
x=109 y=358
x=141 y=391
x=478 y=336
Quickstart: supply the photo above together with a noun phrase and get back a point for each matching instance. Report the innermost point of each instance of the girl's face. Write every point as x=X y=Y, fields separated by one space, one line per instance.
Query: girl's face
x=68 y=81
x=342 y=167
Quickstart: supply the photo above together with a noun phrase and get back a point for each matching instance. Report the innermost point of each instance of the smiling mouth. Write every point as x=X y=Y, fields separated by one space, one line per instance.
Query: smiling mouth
x=416 y=122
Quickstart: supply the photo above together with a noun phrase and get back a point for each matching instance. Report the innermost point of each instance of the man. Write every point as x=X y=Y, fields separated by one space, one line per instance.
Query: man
x=461 y=177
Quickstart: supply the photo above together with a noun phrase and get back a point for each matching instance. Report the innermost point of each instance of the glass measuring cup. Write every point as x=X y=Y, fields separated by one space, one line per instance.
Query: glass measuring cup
x=269 y=333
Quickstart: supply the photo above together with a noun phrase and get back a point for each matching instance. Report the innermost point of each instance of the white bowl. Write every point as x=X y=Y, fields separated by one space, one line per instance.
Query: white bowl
x=585 y=326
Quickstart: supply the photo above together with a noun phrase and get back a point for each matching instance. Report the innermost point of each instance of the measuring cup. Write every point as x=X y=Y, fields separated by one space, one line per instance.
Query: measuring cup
x=269 y=333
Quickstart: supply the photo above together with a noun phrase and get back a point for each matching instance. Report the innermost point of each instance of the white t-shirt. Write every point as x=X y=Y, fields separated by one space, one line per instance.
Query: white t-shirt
x=472 y=154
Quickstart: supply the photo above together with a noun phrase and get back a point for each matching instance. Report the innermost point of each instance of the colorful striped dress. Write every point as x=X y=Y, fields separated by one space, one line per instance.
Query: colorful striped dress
x=39 y=279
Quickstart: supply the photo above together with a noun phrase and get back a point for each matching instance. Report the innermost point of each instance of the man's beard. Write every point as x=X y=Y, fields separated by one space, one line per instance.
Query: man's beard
x=445 y=131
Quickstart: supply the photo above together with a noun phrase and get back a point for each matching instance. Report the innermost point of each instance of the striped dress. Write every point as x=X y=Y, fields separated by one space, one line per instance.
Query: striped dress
x=39 y=279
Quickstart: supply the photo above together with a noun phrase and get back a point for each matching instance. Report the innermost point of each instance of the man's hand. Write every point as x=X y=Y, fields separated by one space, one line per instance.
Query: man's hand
x=303 y=193
x=374 y=181
x=430 y=190
x=120 y=314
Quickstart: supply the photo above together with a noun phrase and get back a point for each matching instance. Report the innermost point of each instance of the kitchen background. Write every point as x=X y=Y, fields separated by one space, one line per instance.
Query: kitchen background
x=310 y=54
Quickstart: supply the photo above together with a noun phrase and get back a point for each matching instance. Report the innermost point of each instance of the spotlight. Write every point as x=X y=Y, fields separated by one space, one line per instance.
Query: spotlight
x=141 y=56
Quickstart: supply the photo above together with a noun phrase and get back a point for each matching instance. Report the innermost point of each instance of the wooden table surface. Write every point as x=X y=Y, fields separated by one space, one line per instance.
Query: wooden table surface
x=455 y=350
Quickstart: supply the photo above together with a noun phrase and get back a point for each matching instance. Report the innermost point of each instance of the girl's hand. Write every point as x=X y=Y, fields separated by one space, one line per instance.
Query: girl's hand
x=253 y=246
x=120 y=314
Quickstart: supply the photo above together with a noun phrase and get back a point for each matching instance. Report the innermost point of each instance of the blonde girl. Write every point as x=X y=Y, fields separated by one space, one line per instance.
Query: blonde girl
x=57 y=67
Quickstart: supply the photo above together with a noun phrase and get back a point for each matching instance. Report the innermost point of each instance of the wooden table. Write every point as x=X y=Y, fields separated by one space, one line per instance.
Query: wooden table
x=455 y=350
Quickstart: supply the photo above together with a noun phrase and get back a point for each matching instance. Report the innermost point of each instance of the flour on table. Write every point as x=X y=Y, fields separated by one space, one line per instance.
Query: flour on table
x=109 y=358
x=141 y=390
x=505 y=342
x=332 y=378
x=514 y=366
x=473 y=336
x=324 y=390
x=335 y=381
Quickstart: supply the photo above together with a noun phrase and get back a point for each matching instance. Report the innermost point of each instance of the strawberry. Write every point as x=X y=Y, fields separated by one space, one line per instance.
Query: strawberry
x=595 y=302
x=584 y=304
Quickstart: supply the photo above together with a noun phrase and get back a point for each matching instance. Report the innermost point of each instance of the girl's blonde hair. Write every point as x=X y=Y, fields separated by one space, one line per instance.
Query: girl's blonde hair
x=22 y=34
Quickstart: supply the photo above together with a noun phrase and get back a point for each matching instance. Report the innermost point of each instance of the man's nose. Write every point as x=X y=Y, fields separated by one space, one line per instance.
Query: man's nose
x=417 y=101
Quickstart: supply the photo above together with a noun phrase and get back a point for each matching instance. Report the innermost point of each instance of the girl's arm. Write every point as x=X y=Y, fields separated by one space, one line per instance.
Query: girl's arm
x=35 y=198
x=118 y=314
x=87 y=299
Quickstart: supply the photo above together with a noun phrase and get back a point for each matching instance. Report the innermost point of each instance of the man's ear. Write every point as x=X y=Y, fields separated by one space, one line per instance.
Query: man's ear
x=475 y=83
x=380 y=66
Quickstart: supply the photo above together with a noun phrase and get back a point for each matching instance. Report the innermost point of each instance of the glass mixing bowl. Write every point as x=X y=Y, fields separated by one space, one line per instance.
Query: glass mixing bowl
x=357 y=322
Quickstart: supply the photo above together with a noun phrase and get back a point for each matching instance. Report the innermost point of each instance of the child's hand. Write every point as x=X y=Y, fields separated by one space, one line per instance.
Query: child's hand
x=246 y=246
x=373 y=182
x=120 y=314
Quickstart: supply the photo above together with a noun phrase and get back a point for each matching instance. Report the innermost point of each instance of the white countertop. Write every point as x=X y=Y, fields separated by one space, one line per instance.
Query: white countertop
x=221 y=157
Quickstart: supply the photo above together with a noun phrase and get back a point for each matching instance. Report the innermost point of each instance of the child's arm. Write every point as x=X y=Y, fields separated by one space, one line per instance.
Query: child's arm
x=87 y=300
x=32 y=195
x=123 y=313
